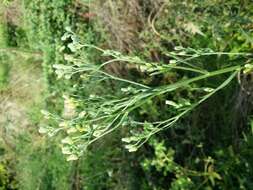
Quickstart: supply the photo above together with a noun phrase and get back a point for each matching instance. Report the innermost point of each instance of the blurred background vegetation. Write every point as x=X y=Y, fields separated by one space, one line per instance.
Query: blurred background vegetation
x=210 y=148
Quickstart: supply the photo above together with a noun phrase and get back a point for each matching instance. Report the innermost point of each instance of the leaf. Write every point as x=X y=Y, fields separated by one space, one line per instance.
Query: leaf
x=251 y=125
x=216 y=176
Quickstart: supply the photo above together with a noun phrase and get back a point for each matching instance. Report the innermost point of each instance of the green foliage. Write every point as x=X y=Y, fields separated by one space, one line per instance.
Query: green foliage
x=3 y=177
x=16 y=36
x=39 y=166
x=183 y=177
x=6 y=178
x=3 y=40
x=4 y=71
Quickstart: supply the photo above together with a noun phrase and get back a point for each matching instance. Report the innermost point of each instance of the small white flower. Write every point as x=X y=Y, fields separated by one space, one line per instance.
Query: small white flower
x=208 y=89
x=82 y=114
x=127 y=140
x=67 y=140
x=71 y=130
x=66 y=150
x=45 y=113
x=63 y=124
x=171 y=103
x=43 y=130
x=173 y=61
x=98 y=133
x=72 y=157
x=131 y=148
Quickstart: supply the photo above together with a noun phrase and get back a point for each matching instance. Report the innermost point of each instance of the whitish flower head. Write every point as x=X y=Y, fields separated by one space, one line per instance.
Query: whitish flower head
x=67 y=140
x=72 y=157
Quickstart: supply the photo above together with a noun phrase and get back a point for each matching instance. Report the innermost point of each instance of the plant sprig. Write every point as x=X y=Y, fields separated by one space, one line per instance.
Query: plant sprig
x=105 y=114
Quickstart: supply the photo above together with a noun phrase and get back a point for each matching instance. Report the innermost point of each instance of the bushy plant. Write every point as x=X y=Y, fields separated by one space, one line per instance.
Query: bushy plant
x=168 y=80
